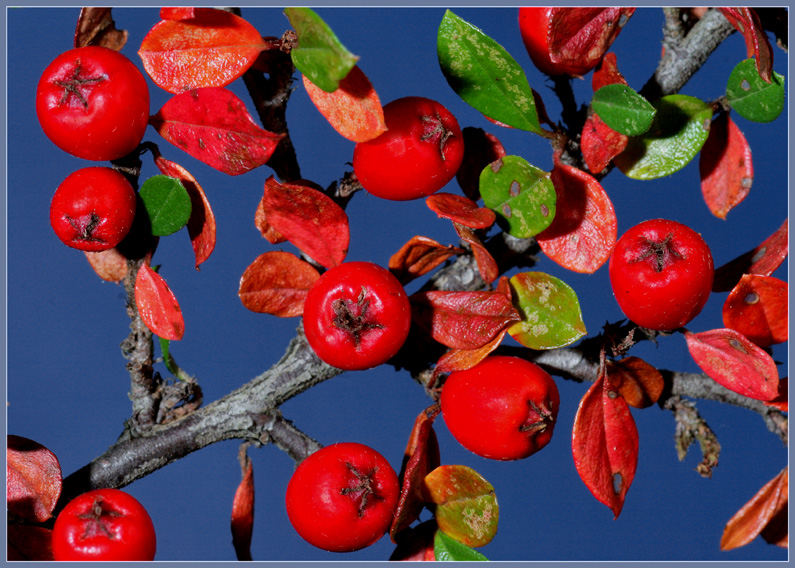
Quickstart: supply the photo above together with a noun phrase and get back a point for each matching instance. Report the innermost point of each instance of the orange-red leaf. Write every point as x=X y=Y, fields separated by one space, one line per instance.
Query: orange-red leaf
x=480 y=149
x=157 y=305
x=419 y=256
x=461 y=210
x=583 y=233
x=757 y=308
x=261 y=222
x=464 y=319
x=209 y=48
x=201 y=224
x=309 y=219
x=600 y=143
x=763 y=260
x=725 y=165
x=212 y=125
x=730 y=359
x=242 y=522
x=747 y=22
x=462 y=359
x=640 y=383
x=353 y=109
x=756 y=514
x=487 y=266
x=420 y=458
x=33 y=479
x=277 y=283
x=604 y=444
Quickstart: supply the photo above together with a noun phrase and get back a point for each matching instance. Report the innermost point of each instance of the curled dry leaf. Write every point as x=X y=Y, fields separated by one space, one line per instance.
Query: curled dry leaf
x=200 y=47
x=212 y=125
x=638 y=382
x=276 y=283
x=419 y=256
x=242 y=521
x=461 y=210
x=309 y=219
x=757 y=308
x=157 y=305
x=480 y=149
x=725 y=165
x=604 y=444
x=757 y=514
x=583 y=233
x=33 y=479
x=201 y=224
x=353 y=109
x=464 y=319
x=110 y=264
x=763 y=260
x=487 y=265
x=733 y=361
x=420 y=458
x=95 y=26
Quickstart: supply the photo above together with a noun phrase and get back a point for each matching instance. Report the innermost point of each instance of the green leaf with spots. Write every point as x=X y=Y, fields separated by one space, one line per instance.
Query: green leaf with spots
x=551 y=315
x=678 y=132
x=466 y=506
x=448 y=549
x=521 y=195
x=319 y=55
x=484 y=75
x=167 y=204
x=624 y=110
x=752 y=97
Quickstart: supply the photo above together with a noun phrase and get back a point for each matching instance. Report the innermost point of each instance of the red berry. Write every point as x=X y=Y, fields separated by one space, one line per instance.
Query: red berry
x=356 y=316
x=418 y=154
x=342 y=497
x=93 y=102
x=103 y=524
x=93 y=209
x=661 y=272
x=503 y=408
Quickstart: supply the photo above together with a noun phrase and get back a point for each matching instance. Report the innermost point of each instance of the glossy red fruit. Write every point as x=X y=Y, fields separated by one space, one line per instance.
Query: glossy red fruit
x=661 y=272
x=356 y=316
x=93 y=209
x=342 y=497
x=93 y=102
x=503 y=408
x=418 y=154
x=569 y=41
x=103 y=524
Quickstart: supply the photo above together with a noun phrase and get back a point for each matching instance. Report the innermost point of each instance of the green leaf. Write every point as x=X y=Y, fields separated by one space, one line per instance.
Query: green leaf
x=521 y=195
x=167 y=203
x=484 y=75
x=448 y=549
x=752 y=97
x=623 y=109
x=171 y=365
x=678 y=132
x=319 y=55
x=551 y=315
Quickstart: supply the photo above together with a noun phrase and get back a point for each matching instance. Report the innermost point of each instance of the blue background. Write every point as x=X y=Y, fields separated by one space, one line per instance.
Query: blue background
x=67 y=384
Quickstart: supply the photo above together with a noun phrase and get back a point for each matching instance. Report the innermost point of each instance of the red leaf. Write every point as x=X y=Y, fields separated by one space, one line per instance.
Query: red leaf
x=201 y=225
x=638 y=382
x=756 y=514
x=600 y=143
x=604 y=444
x=461 y=210
x=757 y=308
x=420 y=458
x=763 y=260
x=415 y=544
x=210 y=48
x=583 y=233
x=419 y=256
x=277 y=283
x=480 y=149
x=309 y=219
x=781 y=402
x=725 y=165
x=242 y=522
x=607 y=73
x=157 y=305
x=487 y=266
x=29 y=542
x=261 y=222
x=747 y=22
x=95 y=26
x=353 y=110
x=33 y=479
x=464 y=320
x=731 y=360
x=463 y=359
x=213 y=125
x=179 y=12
